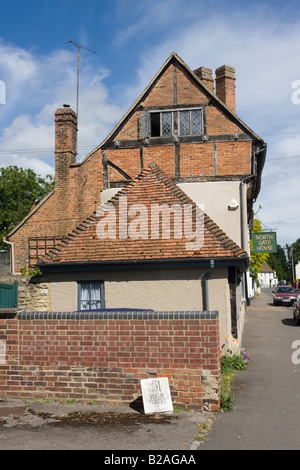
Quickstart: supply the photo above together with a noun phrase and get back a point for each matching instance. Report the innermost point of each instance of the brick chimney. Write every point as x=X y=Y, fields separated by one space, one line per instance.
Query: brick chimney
x=65 y=143
x=205 y=75
x=225 y=86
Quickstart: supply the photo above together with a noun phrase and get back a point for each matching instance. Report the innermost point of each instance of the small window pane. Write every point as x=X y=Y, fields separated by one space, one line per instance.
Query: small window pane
x=166 y=123
x=196 y=121
x=184 y=122
x=90 y=296
x=84 y=297
x=155 y=124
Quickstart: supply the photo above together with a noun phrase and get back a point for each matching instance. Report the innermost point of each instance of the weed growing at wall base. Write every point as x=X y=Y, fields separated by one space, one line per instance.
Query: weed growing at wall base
x=230 y=364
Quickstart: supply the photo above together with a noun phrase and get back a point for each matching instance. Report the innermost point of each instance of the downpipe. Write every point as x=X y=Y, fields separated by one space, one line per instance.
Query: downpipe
x=244 y=223
x=206 y=277
x=12 y=254
x=243 y=201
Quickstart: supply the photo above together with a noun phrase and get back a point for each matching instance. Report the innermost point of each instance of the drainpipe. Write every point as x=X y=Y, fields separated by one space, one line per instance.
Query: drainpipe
x=12 y=244
x=243 y=199
x=206 y=278
x=244 y=212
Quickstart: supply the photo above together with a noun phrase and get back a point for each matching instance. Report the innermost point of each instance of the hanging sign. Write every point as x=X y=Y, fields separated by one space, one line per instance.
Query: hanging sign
x=264 y=242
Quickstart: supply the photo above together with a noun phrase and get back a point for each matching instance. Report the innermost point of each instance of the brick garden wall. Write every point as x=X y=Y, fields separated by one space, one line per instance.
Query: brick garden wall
x=101 y=357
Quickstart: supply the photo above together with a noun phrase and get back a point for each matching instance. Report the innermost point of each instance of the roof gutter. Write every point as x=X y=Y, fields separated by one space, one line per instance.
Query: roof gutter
x=144 y=264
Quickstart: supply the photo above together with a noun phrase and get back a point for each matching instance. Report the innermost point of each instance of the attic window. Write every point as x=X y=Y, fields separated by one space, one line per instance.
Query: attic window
x=177 y=122
x=190 y=122
x=161 y=124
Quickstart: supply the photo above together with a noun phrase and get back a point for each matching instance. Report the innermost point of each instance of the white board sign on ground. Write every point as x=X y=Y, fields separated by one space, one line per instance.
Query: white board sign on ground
x=156 y=395
x=2 y=352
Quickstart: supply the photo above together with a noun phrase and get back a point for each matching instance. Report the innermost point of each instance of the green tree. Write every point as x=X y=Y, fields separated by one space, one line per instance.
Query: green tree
x=19 y=190
x=280 y=263
x=296 y=251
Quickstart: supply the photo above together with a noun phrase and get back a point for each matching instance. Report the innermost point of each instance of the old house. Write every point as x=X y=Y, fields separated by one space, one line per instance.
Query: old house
x=180 y=143
x=267 y=277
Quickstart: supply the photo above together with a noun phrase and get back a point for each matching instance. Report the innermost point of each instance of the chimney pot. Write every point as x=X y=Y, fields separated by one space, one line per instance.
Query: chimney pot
x=65 y=143
x=205 y=75
x=225 y=86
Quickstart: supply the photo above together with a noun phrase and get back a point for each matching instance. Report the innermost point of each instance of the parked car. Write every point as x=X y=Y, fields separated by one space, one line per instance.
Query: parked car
x=296 y=309
x=284 y=295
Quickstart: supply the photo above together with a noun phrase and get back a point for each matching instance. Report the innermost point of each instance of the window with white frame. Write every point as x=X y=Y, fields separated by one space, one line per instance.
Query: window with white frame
x=90 y=295
x=182 y=122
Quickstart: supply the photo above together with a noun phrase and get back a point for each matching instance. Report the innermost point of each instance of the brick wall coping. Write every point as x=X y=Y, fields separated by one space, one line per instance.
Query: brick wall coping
x=119 y=315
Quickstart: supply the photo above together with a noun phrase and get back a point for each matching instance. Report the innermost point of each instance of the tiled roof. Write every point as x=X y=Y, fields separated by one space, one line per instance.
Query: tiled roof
x=151 y=187
x=265 y=268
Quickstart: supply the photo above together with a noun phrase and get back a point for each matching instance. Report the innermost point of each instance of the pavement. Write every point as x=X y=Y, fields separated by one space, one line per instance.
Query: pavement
x=266 y=415
x=59 y=426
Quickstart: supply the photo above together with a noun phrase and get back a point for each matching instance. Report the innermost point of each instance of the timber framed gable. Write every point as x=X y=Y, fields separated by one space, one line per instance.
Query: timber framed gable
x=159 y=128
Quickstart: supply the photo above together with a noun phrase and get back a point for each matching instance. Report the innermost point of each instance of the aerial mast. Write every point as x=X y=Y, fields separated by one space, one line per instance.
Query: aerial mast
x=78 y=46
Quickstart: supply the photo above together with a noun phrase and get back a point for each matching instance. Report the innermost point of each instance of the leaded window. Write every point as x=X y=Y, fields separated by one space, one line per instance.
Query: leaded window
x=176 y=122
x=166 y=123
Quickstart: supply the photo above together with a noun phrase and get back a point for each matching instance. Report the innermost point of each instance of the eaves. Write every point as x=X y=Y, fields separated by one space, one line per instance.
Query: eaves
x=242 y=262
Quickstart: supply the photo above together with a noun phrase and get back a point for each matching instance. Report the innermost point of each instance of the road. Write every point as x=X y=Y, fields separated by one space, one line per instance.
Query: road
x=266 y=415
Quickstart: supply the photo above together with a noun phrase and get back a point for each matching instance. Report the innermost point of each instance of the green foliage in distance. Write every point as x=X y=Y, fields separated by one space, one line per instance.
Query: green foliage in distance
x=257 y=258
x=281 y=263
x=296 y=250
x=19 y=190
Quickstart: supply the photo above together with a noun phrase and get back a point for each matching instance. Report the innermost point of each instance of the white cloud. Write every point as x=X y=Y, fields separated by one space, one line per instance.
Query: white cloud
x=36 y=164
x=24 y=134
x=257 y=42
x=36 y=87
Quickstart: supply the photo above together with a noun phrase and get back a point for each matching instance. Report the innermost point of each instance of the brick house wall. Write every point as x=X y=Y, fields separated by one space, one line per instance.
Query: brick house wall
x=102 y=357
x=234 y=158
x=62 y=210
x=225 y=150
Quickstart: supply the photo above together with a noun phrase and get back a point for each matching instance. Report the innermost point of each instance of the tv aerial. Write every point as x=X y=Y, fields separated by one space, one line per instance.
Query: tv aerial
x=78 y=46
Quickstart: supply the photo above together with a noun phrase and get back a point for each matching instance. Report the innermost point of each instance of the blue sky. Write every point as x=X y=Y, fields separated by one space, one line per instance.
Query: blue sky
x=132 y=38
